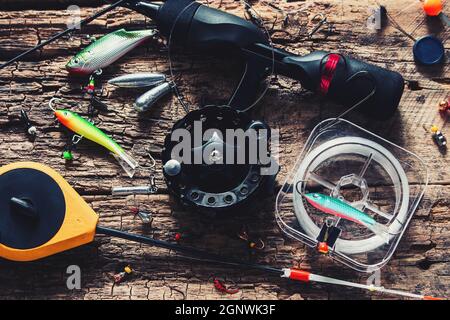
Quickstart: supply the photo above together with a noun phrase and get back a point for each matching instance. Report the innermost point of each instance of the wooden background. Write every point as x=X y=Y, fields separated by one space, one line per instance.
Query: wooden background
x=421 y=263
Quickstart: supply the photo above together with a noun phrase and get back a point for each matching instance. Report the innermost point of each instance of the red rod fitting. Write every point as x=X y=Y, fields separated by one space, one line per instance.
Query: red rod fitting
x=322 y=247
x=296 y=274
x=328 y=73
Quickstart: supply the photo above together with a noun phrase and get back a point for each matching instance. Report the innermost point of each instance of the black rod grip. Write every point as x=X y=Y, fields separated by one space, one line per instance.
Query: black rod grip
x=351 y=81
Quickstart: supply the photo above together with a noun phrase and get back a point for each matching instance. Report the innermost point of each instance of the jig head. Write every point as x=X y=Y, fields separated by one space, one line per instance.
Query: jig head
x=323 y=22
x=31 y=129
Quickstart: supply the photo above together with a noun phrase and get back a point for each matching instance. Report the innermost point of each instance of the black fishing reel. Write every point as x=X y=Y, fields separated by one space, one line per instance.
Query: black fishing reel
x=217 y=159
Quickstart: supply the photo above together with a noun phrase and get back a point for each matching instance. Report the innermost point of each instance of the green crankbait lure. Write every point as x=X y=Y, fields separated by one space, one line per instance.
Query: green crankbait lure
x=343 y=210
x=106 y=50
x=84 y=128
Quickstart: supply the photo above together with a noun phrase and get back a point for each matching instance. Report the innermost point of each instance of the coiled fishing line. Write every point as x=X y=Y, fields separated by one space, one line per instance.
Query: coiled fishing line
x=362 y=147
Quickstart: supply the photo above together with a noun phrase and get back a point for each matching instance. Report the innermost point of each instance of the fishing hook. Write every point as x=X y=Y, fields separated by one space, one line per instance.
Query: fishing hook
x=54 y=100
x=50 y=103
x=152 y=159
x=253 y=244
x=97 y=72
x=322 y=22
x=297 y=189
x=180 y=98
x=76 y=139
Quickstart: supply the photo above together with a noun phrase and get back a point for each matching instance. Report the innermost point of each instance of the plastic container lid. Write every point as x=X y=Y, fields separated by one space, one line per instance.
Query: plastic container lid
x=429 y=50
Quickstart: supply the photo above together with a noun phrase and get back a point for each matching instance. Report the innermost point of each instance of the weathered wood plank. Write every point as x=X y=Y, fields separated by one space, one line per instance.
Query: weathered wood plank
x=421 y=262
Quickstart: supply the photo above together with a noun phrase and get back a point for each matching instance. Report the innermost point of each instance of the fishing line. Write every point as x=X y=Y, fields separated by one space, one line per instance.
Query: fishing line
x=349 y=79
x=427 y=50
x=185 y=106
x=269 y=39
x=337 y=147
x=243 y=76
x=399 y=28
x=396 y=25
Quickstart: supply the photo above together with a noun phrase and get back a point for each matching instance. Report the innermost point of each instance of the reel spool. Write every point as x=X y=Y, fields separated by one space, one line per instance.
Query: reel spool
x=202 y=176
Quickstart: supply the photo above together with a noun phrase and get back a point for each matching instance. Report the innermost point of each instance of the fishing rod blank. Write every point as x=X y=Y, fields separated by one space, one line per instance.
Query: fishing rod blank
x=291 y=273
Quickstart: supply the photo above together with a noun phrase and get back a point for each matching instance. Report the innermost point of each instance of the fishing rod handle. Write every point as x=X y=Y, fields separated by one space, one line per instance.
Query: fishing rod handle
x=199 y=27
x=348 y=81
x=343 y=79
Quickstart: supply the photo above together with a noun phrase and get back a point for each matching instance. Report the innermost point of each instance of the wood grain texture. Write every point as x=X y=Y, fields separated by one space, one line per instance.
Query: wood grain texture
x=422 y=261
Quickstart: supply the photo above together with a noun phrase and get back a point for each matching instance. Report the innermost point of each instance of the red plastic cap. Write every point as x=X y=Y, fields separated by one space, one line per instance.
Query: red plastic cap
x=299 y=275
x=431 y=298
x=322 y=247
x=432 y=7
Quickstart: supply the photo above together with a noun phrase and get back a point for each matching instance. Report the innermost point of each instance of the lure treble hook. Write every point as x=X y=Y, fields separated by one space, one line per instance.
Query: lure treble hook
x=50 y=103
x=322 y=22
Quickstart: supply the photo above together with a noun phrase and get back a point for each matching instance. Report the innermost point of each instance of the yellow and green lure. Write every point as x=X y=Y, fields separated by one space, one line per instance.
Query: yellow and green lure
x=84 y=128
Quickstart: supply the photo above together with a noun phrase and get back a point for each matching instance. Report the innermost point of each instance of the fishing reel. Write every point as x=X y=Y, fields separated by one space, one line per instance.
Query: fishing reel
x=217 y=159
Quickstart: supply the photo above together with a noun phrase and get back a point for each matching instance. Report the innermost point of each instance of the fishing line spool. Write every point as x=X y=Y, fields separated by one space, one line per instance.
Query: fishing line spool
x=207 y=181
x=348 y=163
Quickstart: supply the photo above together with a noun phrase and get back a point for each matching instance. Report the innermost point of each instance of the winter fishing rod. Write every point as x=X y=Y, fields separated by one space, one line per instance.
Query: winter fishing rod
x=65 y=32
x=341 y=78
x=290 y=273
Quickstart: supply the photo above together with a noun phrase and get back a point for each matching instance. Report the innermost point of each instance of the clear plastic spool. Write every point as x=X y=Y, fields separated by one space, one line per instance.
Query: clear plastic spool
x=373 y=175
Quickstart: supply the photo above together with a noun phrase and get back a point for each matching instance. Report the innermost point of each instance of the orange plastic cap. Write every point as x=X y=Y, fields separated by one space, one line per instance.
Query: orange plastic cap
x=432 y=298
x=322 y=247
x=432 y=7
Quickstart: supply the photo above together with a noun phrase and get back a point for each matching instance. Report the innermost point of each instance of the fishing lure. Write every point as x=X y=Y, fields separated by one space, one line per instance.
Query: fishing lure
x=124 y=274
x=84 y=128
x=145 y=216
x=444 y=106
x=438 y=137
x=31 y=129
x=148 y=99
x=343 y=210
x=106 y=50
x=434 y=8
x=138 y=80
x=221 y=287
x=257 y=244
